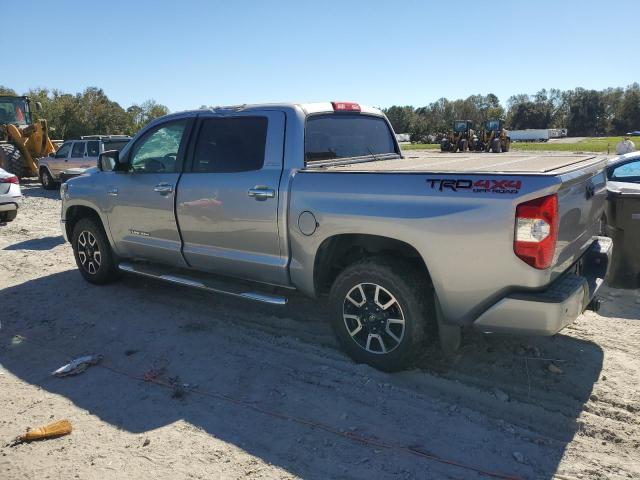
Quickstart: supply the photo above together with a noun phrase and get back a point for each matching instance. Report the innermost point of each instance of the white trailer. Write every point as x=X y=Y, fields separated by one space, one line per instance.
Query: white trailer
x=529 y=135
x=557 y=132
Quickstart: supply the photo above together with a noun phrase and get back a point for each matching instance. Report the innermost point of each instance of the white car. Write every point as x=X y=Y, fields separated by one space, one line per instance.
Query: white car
x=10 y=196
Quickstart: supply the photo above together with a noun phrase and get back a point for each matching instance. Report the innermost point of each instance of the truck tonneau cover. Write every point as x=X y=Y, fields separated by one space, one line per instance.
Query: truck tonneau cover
x=435 y=161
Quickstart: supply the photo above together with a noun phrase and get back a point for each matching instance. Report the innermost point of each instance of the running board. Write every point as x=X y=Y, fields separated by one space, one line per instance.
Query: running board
x=209 y=285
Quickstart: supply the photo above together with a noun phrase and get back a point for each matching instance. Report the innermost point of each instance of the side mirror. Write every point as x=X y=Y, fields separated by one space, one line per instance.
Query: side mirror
x=109 y=161
x=38 y=107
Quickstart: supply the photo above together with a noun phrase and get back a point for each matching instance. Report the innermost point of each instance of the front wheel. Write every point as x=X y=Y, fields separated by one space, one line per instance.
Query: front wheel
x=382 y=311
x=93 y=253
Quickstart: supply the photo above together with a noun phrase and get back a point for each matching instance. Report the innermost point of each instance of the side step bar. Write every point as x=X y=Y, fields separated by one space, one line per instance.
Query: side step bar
x=181 y=279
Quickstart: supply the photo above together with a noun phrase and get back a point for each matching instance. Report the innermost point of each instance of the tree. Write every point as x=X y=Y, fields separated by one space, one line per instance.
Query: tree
x=586 y=113
x=628 y=115
x=401 y=118
x=6 y=90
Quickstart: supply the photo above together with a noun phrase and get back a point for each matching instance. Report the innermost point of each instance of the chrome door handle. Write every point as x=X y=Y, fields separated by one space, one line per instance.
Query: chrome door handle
x=163 y=188
x=260 y=192
x=113 y=192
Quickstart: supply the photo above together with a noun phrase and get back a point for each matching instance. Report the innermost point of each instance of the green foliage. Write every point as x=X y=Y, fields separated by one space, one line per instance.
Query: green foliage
x=90 y=113
x=583 y=112
x=6 y=90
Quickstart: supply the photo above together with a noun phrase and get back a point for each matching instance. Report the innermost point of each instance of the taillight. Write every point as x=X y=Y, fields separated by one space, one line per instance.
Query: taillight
x=536 y=231
x=11 y=179
x=345 y=107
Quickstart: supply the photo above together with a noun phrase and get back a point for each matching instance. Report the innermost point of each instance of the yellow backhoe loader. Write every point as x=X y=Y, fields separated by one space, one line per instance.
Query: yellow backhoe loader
x=22 y=141
x=460 y=139
x=493 y=137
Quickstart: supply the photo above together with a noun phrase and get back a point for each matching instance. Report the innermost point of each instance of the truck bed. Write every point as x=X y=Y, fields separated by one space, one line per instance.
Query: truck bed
x=510 y=163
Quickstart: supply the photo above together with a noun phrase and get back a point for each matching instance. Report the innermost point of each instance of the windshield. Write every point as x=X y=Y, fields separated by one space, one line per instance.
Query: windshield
x=14 y=110
x=339 y=135
x=460 y=126
x=493 y=125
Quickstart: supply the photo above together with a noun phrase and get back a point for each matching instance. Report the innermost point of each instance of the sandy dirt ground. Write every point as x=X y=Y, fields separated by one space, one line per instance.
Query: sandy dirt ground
x=243 y=390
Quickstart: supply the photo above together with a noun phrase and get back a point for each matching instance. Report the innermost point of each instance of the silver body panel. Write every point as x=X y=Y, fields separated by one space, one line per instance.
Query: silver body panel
x=212 y=224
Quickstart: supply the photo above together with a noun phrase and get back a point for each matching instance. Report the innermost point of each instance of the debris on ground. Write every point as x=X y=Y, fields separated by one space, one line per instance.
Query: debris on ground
x=77 y=366
x=51 y=430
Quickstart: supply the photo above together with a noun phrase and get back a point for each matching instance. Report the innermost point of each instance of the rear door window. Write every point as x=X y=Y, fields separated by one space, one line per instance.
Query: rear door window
x=78 y=150
x=93 y=148
x=231 y=144
x=336 y=136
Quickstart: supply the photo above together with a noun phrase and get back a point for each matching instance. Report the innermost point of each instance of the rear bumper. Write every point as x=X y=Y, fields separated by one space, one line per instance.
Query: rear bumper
x=8 y=211
x=549 y=311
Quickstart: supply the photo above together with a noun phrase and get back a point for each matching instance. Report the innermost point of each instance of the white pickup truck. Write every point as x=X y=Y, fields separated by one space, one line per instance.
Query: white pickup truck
x=319 y=198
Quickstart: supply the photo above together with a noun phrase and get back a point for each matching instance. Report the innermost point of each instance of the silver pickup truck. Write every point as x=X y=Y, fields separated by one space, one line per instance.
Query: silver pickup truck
x=319 y=198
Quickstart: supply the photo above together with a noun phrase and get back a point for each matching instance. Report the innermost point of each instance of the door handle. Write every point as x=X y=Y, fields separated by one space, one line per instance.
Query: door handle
x=113 y=192
x=260 y=192
x=163 y=188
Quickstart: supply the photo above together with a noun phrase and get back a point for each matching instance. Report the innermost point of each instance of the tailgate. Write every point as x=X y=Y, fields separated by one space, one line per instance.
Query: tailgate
x=581 y=204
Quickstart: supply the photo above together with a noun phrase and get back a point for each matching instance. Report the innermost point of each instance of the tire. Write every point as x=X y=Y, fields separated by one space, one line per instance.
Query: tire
x=464 y=145
x=47 y=181
x=364 y=331
x=12 y=161
x=507 y=145
x=88 y=239
x=495 y=146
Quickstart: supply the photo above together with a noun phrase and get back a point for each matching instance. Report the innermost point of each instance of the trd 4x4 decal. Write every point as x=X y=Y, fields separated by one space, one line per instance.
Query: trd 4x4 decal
x=479 y=186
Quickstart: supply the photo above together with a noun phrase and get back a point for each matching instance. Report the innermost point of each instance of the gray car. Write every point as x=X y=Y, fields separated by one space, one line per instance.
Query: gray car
x=319 y=198
x=75 y=156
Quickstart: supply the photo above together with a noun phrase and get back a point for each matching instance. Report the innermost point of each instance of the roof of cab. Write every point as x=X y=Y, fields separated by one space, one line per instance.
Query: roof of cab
x=307 y=108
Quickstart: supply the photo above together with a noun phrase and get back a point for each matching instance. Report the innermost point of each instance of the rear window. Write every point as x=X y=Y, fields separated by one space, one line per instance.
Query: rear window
x=115 y=145
x=335 y=136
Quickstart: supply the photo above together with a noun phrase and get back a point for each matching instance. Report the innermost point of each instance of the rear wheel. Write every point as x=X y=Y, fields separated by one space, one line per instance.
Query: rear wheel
x=381 y=312
x=13 y=161
x=495 y=146
x=507 y=145
x=93 y=253
x=46 y=179
x=464 y=145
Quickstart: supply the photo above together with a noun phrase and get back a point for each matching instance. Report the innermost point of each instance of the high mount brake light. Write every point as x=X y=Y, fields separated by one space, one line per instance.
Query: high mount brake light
x=345 y=107
x=11 y=179
x=536 y=231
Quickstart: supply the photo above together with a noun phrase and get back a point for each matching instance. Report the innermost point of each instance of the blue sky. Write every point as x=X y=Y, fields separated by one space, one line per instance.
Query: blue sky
x=187 y=53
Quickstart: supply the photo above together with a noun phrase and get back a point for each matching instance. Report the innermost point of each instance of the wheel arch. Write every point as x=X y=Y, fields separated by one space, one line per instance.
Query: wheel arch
x=339 y=251
x=74 y=213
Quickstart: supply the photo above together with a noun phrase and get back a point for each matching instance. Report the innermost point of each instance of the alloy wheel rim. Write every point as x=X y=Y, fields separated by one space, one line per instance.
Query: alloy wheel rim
x=89 y=252
x=373 y=318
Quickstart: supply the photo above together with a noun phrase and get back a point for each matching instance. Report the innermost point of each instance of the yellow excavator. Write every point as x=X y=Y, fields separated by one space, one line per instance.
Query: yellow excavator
x=22 y=141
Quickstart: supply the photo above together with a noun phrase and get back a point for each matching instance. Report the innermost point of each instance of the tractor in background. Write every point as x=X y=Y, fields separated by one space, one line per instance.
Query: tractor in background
x=493 y=137
x=460 y=139
x=22 y=141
